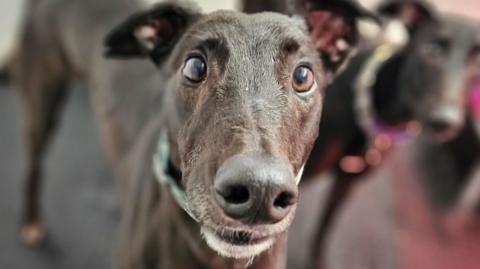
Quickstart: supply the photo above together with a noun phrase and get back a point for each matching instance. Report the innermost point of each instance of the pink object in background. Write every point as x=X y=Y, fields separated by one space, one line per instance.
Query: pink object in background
x=475 y=101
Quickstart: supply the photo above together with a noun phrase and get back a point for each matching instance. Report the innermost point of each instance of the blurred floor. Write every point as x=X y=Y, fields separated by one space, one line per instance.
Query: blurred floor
x=79 y=197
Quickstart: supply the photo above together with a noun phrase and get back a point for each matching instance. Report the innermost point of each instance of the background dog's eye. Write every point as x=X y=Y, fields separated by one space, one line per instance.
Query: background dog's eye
x=303 y=79
x=195 y=69
x=433 y=50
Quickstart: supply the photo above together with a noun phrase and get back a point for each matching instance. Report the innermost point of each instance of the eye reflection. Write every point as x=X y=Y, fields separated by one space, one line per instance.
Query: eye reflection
x=303 y=79
x=195 y=69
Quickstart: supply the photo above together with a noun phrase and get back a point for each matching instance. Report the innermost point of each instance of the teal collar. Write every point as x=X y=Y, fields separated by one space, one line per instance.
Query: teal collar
x=160 y=167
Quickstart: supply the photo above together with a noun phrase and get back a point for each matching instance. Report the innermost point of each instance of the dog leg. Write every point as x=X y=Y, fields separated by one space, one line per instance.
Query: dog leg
x=3 y=76
x=41 y=81
x=41 y=104
x=342 y=187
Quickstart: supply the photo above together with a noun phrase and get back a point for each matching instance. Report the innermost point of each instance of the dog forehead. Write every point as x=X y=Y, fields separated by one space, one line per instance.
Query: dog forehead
x=459 y=30
x=236 y=28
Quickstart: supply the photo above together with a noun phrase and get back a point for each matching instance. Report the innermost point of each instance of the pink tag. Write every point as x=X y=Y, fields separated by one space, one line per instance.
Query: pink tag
x=475 y=101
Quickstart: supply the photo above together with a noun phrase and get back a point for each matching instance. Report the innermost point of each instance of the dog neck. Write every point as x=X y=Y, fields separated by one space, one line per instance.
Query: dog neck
x=454 y=184
x=446 y=169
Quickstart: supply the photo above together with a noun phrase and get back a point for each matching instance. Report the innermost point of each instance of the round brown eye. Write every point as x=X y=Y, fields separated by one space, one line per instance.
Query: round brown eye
x=303 y=79
x=195 y=69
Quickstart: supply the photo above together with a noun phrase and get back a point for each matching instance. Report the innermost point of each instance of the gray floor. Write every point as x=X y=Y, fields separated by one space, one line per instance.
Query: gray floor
x=80 y=204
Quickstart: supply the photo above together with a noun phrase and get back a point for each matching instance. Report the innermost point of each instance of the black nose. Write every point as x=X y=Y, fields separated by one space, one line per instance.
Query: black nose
x=438 y=125
x=255 y=190
x=443 y=120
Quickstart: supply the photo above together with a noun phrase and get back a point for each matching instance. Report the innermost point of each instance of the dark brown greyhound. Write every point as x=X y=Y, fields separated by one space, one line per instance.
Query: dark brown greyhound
x=411 y=213
x=359 y=135
x=227 y=118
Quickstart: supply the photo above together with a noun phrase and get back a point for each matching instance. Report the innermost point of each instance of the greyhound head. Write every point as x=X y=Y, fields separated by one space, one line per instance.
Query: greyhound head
x=413 y=13
x=243 y=98
x=440 y=73
x=438 y=68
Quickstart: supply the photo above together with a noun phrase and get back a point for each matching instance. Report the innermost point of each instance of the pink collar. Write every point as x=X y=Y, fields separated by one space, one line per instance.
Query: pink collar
x=397 y=134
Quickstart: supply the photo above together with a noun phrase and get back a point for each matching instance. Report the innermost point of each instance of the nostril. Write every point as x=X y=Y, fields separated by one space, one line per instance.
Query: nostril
x=284 y=200
x=282 y=204
x=439 y=125
x=236 y=194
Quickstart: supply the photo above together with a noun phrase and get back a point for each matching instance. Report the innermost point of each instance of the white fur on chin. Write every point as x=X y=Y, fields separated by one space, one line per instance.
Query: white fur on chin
x=232 y=251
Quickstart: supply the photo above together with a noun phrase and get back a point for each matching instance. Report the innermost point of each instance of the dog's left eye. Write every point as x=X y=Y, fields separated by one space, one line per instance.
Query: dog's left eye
x=434 y=51
x=303 y=79
x=195 y=69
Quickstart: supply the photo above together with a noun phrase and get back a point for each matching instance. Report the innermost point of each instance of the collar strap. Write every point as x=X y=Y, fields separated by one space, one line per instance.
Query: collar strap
x=366 y=80
x=160 y=167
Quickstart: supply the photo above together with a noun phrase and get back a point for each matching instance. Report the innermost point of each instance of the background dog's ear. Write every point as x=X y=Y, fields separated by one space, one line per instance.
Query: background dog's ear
x=413 y=13
x=333 y=27
x=152 y=33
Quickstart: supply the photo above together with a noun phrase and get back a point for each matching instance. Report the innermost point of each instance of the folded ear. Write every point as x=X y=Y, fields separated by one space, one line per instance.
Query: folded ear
x=333 y=27
x=152 y=33
x=413 y=13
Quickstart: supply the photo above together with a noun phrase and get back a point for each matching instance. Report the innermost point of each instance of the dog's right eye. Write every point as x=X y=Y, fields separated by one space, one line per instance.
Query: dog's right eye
x=303 y=80
x=434 y=51
x=195 y=69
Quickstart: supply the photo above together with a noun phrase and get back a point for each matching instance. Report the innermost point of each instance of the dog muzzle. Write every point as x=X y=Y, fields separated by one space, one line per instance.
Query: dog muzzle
x=160 y=167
